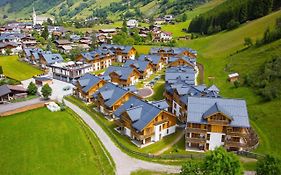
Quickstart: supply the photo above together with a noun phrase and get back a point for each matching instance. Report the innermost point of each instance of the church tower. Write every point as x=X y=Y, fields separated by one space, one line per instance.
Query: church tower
x=34 y=17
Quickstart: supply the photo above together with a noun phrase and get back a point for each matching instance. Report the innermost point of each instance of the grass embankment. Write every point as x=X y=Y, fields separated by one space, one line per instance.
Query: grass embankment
x=214 y=54
x=42 y=142
x=16 y=69
x=108 y=127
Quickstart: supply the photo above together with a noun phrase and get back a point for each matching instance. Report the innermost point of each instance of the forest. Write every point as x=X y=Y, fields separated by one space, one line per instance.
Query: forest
x=231 y=14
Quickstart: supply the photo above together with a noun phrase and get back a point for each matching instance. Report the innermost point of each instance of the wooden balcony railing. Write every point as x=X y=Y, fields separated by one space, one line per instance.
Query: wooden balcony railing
x=236 y=134
x=195 y=140
x=140 y=136
x=196 y=130
x=230 y=143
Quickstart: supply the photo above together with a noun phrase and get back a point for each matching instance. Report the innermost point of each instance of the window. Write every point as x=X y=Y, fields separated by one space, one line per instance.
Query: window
x=222 y=138
x=167 y=131
x=208 y=136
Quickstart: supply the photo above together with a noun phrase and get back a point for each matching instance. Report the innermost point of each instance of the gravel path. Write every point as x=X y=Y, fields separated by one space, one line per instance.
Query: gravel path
x=124 y=163
x=13 y=106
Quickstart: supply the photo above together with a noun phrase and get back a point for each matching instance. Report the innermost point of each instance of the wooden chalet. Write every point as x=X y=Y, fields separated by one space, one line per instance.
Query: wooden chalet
x=214 y=122
x=144 y=123
x=144 y=67
x=87 y=85
x=123 y=76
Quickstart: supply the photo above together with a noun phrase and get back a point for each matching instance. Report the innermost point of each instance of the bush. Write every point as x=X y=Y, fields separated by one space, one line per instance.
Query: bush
x=268 y=166
x=46 y=91
x=236 y=83
x=232 y=24
x=32 y=89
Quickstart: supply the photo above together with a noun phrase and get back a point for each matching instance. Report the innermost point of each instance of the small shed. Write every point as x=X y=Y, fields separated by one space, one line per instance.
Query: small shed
x=41 y=81
x=233 y=77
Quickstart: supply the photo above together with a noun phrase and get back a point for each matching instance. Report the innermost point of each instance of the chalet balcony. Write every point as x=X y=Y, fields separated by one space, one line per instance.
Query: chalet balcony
x=196 y=140
x=236 y=134
x=230 y=143
x=196 y=130
x=219 y=122
x=140 y=136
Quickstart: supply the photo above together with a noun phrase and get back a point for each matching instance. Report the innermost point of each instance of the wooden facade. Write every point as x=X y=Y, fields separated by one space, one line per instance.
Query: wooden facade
x=233 y=138
x=87 y=96
x=108 y=110
x=164 y=120
x=131 y=80
x=180 y=62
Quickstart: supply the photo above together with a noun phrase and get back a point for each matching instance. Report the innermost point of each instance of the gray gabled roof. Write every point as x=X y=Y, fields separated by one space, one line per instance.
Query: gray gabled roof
x=200 y=107
x=140 y=65
x=123 y=72
x=4 y=90
x=216 y=108
x=140 y=112
x=114 y=47
x=161 y=104
x=87 y=81
x=52 y=58
x=154 y=59
x=110 y=93
x=180 y=73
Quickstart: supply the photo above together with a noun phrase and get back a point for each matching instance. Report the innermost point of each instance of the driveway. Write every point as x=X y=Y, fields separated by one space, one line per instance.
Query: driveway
x=57 y=88
x=124 y=163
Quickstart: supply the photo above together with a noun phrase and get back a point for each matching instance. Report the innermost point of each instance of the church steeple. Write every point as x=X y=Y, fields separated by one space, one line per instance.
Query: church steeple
x=34 y=17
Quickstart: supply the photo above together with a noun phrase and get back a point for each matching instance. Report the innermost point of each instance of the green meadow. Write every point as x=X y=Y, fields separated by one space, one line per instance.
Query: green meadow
x=44 y=142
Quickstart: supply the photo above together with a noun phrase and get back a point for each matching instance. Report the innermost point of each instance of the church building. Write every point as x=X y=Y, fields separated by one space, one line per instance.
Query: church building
x=39 y=19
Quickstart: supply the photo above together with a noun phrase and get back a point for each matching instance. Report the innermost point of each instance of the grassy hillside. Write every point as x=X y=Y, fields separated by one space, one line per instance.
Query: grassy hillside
x=177 y=28
x=44 y=142
x=214 y=53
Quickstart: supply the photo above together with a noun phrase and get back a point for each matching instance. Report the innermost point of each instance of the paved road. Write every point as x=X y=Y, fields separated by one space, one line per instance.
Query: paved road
x=124 y=163
x=12 y=106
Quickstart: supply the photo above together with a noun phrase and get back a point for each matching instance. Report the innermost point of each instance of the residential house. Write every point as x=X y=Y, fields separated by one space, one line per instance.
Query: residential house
x=47 y=59
x=10 y=92
x=87 y=85
x=172 y=51
x=144 y=123
x=214 y=122
x=110 y=97
x=144 y=67
x=41 y=81
x=29 y=54
x=161 y=36
x=159 y=21
x=122 y=53
x=132 y=23
x=169 y=18
x=70 y=71
x=99 y=58
x=64 y=46
x=28 y=42
x=181 y=61
x=157 y=61
x=123 y=76
x=15 y=48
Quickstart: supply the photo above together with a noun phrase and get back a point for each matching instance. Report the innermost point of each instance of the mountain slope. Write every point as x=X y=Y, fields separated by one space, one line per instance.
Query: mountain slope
x=215 y=53
x=115 y=9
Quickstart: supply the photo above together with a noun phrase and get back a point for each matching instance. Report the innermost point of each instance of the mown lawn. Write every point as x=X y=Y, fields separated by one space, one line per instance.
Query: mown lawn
x=42 y=142
x=214 y=53
x=16 y=69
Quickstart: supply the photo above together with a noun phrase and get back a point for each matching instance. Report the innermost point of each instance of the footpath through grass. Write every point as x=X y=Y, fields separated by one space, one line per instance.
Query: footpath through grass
x=16 y=69
x=42 y=142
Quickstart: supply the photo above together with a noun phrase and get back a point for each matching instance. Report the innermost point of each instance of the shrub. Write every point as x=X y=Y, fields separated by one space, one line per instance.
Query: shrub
x=32 y=89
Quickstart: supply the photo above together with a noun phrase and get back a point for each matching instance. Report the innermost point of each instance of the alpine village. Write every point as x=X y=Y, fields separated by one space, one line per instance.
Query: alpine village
x=140 y=87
